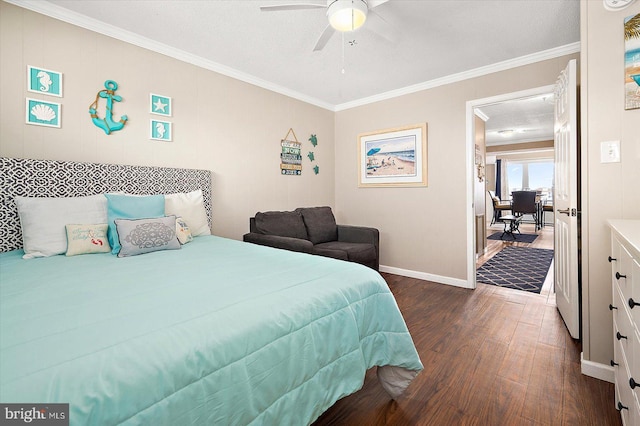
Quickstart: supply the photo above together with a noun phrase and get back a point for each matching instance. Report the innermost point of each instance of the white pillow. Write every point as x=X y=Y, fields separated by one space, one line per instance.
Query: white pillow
x=189 y=206
x=43 y=221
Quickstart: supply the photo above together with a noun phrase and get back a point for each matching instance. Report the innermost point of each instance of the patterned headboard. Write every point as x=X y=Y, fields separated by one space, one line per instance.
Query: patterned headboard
x=47 y=178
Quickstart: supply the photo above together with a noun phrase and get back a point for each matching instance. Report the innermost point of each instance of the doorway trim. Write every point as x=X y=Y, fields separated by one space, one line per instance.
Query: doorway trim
x=470 y=167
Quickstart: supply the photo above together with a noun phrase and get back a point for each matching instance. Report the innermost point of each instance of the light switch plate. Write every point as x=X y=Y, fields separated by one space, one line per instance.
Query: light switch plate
x=610 y=152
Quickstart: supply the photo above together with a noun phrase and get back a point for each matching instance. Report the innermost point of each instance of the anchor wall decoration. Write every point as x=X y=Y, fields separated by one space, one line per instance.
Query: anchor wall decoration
x=107 y=124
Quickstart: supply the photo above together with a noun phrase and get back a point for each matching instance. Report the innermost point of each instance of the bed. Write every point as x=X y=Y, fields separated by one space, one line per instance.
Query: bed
x=216 y=332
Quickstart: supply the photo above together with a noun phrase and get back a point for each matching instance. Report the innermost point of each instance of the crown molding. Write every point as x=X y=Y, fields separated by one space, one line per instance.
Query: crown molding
x=556 y=52
x=65 y=15
x=481 y=115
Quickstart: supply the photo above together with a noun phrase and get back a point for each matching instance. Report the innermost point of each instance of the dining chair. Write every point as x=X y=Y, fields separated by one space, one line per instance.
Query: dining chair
x=546 y=208
x=498 y=207
x=524 y=202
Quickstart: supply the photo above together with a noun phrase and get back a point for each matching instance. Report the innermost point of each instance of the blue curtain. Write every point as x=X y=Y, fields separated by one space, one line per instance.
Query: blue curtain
x=499 y=179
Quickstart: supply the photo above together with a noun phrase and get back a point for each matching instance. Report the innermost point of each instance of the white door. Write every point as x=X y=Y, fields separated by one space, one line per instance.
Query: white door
x=565 y=200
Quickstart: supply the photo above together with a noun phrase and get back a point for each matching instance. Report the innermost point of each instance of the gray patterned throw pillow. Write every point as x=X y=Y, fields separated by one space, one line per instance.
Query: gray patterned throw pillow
x=140 y=236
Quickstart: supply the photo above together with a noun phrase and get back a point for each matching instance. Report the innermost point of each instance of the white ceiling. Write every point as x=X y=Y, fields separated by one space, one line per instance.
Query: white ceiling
x=521 y=120
x=437 y=41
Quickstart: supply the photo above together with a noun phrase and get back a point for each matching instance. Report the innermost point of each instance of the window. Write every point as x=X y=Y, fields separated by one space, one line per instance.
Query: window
x=515 y=176
x=541 y=175
x=531 y=175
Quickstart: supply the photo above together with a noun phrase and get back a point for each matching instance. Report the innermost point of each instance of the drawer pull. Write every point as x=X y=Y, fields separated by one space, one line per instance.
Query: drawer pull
x=620 y=336
x=621 y=407
x=611 y=259
x=633 y=303
x=619 y=275
x=633 y=383
x=611 y=307
x=613 y=363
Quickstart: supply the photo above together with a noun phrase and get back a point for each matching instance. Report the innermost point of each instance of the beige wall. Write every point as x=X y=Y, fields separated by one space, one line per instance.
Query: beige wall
x=524 y=156
x=611 y=190
x=219 y=123
x=525 y=146
x=423 y=229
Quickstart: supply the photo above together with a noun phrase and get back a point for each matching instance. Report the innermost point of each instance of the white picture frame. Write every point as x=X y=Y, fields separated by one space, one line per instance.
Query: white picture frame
x=44 y=81
x=43 y=113
x=160 y=130
x=160 y=105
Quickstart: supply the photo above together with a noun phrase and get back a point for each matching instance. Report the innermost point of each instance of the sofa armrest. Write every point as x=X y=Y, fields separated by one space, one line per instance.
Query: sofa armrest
x=361 y=234
x=287 y=243
x=358 y=234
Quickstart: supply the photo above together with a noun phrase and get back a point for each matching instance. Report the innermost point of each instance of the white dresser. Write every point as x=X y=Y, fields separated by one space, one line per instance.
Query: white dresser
x=625 y=305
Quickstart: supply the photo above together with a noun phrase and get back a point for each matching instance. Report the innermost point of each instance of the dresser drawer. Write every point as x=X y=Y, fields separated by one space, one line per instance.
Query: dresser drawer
x=623 y=331
x=624 y=397
x=622 y=274
x=614 y=257
x=633 y=366
x=633 y=280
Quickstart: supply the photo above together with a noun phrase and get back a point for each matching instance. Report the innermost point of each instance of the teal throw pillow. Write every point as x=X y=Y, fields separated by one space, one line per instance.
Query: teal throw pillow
x=130 y=207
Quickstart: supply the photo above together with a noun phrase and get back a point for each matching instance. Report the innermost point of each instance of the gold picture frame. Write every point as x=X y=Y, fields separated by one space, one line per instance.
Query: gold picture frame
x=393 y=157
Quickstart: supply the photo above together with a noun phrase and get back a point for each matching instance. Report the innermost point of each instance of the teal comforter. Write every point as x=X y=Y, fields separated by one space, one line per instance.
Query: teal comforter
x=219 y=333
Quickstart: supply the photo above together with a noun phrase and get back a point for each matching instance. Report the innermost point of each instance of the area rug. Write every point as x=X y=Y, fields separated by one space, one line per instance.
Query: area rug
x=520 y=238
x=520 y=268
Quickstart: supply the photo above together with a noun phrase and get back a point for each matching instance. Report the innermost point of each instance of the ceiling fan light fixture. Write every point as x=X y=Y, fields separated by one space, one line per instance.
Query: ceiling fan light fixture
x=347 y=15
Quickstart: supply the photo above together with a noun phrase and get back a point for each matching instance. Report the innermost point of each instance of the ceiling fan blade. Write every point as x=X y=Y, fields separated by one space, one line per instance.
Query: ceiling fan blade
x=375 y=3
x=324 y=38
x=293 y=6
x=380 y=26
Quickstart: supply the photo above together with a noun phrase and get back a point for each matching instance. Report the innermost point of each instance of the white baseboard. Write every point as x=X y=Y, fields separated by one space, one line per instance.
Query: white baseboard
x=597 y=370
x=457 y=282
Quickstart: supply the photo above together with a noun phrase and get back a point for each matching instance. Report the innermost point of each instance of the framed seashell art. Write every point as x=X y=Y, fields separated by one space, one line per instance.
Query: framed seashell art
x=42 y=113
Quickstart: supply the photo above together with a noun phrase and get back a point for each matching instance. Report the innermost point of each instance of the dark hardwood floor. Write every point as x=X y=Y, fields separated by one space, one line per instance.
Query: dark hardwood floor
x=492 y=356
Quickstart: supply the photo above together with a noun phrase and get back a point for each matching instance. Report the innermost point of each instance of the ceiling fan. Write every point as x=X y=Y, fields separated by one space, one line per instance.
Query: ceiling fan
x=343 y=16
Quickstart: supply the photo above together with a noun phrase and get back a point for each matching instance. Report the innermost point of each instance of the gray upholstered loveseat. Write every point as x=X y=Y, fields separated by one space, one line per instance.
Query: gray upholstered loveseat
x=314 y=230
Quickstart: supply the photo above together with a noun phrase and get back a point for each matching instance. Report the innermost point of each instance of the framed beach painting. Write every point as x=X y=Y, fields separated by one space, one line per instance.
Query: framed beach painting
x=393 y=157
x=632 y=61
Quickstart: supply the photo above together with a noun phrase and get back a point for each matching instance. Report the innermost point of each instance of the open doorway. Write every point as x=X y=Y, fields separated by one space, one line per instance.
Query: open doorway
x=517 y=153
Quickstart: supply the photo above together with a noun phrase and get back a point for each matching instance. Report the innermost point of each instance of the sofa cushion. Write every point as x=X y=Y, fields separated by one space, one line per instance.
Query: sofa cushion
x=356 y=252
x=329 y=252
x=284 y=224
x=320 y=223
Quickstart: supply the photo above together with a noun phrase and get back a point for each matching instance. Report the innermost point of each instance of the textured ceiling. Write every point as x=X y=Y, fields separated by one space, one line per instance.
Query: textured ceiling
x=434 y=40
x=530 y=119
